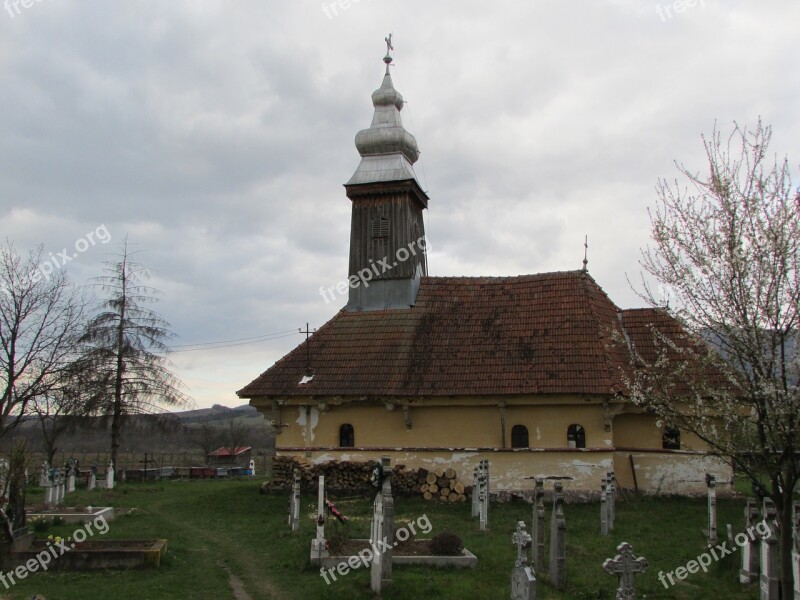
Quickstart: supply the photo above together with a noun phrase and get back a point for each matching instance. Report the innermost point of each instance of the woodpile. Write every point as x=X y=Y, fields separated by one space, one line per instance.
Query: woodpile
x=345 y=477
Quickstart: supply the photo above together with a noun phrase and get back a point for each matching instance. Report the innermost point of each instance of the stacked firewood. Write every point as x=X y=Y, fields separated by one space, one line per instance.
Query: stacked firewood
x=356 y=477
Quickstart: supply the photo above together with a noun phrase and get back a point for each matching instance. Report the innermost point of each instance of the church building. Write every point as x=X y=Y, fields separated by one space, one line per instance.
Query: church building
x=442 y=372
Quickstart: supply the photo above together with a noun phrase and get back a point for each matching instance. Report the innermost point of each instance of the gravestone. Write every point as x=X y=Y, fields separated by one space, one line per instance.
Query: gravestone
x=625 y=566
x=70 y=481
x=110 y=476
x=318 y=549
x=483 y=500
x=92 y=482
x=44 y=475
x=487 y=485
x=711 y=531
x=252 y=468
x=749 y=571
x=294 y=502
x=796 y=550
x=523 y=579
x=388 y=522
x=382 y=534
x=538 y=526
x=476 y=492
x=769 y=581
x=603 y=508
x=611 y=500
x=558 y=540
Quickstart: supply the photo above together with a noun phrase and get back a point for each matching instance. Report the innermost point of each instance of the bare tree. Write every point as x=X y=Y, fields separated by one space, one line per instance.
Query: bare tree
x=125 y=346
x=41 y=316
x=206 y=437
x=237 y=433
x=725 y=253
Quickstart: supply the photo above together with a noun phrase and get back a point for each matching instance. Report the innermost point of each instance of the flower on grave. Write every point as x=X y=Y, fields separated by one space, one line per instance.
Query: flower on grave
x=50 y=537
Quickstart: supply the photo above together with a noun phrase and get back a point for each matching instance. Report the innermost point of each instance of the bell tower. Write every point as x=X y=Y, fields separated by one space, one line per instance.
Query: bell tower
x=387 y=231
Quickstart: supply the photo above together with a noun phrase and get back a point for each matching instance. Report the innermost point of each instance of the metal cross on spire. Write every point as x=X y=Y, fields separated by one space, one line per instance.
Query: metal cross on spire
x=389 y=48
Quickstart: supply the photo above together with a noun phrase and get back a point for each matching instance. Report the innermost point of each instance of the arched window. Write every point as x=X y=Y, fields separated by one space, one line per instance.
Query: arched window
x=519 y=436
x=347 y=437
x=671 y=438
x=576 y=436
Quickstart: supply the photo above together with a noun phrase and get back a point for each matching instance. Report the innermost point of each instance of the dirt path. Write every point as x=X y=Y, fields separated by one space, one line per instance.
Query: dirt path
x=248 y=564
x=237 y=587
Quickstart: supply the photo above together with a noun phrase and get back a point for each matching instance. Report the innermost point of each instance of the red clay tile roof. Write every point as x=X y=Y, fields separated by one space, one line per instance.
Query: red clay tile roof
x=533 y=334
x=643 y=326
x=227 y=451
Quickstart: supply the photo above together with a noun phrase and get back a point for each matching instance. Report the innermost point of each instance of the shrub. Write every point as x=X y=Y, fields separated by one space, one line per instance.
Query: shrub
x=446 y=543
x=337 y=536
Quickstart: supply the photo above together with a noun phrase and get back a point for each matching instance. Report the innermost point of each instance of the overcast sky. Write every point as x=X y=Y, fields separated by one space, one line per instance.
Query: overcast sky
x=217 y=136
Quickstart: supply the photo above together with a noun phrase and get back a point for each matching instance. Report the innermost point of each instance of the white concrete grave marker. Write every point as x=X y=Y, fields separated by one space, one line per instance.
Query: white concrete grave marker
x=625 y=565
x=769 y=582
x=538 y=526
x=318 y=549
x=523 y=579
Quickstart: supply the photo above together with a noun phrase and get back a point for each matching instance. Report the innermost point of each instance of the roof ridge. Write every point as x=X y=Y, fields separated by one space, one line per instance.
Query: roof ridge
x=613 y=382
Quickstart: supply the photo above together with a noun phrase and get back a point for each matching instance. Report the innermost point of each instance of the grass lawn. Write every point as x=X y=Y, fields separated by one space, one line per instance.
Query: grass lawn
x=218 y=528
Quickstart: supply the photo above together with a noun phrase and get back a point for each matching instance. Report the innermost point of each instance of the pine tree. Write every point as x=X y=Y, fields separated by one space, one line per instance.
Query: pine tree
x=125 y=346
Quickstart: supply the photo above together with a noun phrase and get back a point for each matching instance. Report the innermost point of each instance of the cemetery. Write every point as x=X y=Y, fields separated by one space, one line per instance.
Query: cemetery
x=555 y=547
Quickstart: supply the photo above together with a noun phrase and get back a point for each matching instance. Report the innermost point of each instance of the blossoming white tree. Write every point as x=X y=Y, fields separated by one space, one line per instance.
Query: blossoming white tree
x=725 y=254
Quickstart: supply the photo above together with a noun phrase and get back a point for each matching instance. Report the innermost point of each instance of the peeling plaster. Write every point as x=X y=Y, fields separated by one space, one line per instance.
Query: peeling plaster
x=307 y=426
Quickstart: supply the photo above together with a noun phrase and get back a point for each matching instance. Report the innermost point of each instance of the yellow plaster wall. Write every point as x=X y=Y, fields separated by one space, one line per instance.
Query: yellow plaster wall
x=671 y=472
x=470 y=426
x=642 y=431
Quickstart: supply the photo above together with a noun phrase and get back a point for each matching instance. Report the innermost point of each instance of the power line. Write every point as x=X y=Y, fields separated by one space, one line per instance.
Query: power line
x=235 y=342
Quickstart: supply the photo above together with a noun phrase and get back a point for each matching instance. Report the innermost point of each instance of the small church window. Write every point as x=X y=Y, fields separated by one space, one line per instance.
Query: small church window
x=576 y=436
x=671 y=438
x=519 y=436
x=380 y=228
x=347 y=437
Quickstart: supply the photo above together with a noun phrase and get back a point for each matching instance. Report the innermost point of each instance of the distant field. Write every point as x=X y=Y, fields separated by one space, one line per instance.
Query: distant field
x=216 y=526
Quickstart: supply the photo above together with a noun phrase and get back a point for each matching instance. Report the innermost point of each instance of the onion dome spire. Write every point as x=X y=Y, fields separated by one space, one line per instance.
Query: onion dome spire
x=387 y=150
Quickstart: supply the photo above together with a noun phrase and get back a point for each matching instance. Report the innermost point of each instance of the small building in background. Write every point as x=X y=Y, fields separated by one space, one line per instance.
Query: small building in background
x=230 y=457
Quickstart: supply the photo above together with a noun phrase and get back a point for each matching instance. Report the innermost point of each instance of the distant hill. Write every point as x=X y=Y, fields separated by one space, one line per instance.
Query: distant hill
x=215 y=413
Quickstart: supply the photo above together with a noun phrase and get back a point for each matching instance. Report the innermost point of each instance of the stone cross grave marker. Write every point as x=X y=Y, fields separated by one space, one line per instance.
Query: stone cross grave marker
x=523 y=579
x=59 y=487
x=711 y=530
x=603 y=508
x=749 y=571
x=110 y=476
x=611 y=500
x=382 y=533
x=50 y=489
x=483 y=501
x=486 y=486
x=318 y=545
x=625 y=565
x=538 y=526
x=71 y=480
x=92 y=481
x=388 y=521
x=796 y=549
x=769 y=582
x=476 y=503
x=44 y=475
x=558 y=539
x=294 y=502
